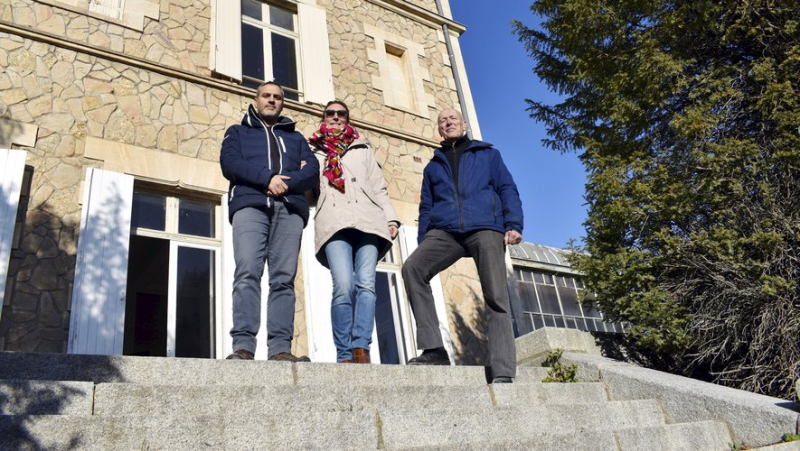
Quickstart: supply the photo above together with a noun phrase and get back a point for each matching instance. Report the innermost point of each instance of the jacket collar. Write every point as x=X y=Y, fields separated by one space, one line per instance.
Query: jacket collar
x=474 y=145
x=253 y=120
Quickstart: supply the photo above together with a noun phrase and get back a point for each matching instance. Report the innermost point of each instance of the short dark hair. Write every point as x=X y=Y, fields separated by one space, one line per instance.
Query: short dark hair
x=274 y=83
x=339 y=102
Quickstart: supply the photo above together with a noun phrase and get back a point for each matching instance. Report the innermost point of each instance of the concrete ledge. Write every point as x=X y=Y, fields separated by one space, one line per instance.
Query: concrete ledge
x=140 y=370
x=532 y=348
x=755 y=420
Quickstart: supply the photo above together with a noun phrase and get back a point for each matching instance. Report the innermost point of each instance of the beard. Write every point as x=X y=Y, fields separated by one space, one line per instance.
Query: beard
x=269 y=114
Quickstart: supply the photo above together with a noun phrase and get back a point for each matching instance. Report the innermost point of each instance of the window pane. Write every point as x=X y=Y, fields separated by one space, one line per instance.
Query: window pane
x=251 y=8
x=527 y=295
x=196 y=218
x=284 y=63
x=569 y=301
x=281 y=18
x=147 y=293
x=538 y=277
x=579 y=284
x=538 y=322
x=590 y=311
x=149 y=211
x=548 y=279
x=194 y=315
x=547 y=296
x=252 y=52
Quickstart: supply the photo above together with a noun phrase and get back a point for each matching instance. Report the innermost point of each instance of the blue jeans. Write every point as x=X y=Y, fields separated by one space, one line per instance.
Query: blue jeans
x=260 y=235
x=352 y=257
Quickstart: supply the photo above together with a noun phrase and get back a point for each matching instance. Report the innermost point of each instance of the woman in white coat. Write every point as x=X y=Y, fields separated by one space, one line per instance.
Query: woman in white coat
x=355 y=224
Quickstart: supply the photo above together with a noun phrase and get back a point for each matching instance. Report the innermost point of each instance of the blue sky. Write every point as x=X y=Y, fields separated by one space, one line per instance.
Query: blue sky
x=501 y=77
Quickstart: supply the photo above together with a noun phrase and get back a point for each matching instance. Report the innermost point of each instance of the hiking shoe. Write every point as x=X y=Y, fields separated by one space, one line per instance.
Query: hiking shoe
x=436 y=356
x=287 y=357
x=502 y=380
x=240 y=354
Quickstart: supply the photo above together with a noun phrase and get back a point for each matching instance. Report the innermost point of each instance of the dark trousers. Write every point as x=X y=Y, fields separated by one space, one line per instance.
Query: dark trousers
x=437 y=252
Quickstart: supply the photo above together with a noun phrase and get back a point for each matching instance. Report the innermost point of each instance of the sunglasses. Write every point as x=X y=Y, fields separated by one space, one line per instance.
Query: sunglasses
x=339 y=113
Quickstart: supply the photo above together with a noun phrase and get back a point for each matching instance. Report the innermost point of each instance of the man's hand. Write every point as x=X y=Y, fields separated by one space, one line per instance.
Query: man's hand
x=277 y=187
x=393 y=231
x=512 y=237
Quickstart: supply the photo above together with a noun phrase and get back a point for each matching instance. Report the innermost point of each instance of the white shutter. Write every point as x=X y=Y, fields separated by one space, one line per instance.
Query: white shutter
x=315 y=54
x=97 y=319
x=12 y=169
x=226 y=38
x=318 y=287
x=408 y=242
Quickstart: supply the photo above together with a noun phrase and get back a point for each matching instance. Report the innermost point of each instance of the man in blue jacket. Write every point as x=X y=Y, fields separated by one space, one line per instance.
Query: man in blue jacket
x=269 y=166
x=469 y=207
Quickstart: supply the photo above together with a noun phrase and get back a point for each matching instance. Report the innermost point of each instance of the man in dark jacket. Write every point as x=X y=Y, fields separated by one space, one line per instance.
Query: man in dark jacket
x=262 y=159
x=469 y=207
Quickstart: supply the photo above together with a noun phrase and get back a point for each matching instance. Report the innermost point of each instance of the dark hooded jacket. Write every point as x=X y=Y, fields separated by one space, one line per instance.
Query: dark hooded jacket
x=484 y=197
x=247 y=162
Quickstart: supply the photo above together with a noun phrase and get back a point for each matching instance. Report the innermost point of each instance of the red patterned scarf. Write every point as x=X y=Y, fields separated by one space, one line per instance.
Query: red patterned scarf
x=334 y=141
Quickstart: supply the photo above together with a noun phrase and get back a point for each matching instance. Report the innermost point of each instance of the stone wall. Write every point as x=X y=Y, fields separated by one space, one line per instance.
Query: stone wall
x=97 y=81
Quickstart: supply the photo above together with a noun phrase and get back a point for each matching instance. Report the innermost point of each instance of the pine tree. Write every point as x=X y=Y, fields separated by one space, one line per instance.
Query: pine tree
x=685 y=114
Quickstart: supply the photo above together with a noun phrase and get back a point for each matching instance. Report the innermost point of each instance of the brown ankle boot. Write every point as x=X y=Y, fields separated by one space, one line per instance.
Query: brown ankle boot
x=361 y=355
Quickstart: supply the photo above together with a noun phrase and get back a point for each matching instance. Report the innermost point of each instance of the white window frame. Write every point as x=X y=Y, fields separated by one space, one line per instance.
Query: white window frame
x=267 y=29
x=172 y=301
x=97 y=316
x=176 y=240
x=404 y=326
x=314 y=72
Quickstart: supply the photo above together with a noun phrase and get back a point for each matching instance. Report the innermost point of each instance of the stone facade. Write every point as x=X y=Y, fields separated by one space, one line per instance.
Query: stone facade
x=101 y=93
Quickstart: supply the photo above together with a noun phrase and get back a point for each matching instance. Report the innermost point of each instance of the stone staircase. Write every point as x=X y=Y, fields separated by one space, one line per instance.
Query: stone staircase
x=50 y=401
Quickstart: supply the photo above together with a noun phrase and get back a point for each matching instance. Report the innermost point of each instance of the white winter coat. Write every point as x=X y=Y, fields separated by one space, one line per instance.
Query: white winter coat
x=364 y=205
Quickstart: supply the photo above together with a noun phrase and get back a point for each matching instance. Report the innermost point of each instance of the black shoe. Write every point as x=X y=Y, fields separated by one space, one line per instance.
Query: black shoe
x=240 y=354
x=436 y=356
x=502 y=380
x=287 y=357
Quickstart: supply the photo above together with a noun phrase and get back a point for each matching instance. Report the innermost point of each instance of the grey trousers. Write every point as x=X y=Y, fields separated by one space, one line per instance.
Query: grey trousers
x=269 y=235
x=437 y=252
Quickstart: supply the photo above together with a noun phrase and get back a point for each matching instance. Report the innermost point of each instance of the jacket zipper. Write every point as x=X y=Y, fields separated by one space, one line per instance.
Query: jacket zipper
x=458 y=198
x=269 y=152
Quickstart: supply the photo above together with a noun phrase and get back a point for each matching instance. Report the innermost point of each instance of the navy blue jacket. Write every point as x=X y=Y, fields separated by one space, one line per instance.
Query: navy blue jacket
x=247 y=163
x=486 y=198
